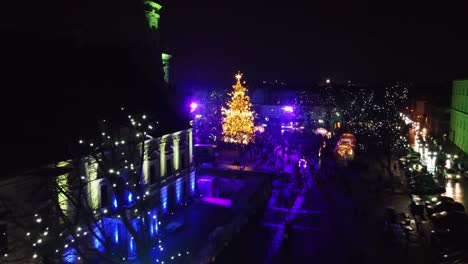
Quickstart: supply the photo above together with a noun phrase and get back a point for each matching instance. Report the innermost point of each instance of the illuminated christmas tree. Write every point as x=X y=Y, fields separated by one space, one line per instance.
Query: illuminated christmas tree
x=238 y=126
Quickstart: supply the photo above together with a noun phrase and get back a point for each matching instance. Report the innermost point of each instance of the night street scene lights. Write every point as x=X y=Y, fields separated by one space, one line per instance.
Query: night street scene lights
x=124 y=141
x=238 y=126
x=193 y=107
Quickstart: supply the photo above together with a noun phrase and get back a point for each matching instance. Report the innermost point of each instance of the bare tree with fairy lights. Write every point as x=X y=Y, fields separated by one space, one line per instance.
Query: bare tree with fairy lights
x=373 y=116
x=207 y=126
x=100 y=209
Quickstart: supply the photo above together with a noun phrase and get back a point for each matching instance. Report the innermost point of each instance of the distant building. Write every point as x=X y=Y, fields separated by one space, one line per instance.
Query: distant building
x=277 y=105
x=432 y=111
x=438 y=120
x=273 y=103
x=420 y=108
x=153 y=15
x=459 y=115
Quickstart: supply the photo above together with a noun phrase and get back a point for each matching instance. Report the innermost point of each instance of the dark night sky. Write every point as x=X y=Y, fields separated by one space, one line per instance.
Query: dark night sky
x=302 y=41
x=298 y=42
x=64 y=60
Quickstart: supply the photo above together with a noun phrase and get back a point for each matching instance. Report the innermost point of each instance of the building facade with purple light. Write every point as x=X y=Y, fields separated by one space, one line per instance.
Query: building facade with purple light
x=279 y=108
x=273 y=104
x=167 y=176
x=169 y=181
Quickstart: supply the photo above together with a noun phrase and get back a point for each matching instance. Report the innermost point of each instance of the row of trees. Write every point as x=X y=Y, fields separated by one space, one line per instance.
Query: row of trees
x=373 y=115
x=207 y=128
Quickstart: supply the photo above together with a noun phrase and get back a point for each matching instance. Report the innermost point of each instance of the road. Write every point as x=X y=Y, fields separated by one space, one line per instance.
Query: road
x=333 y=223
x=338 y=219
x=454 y=189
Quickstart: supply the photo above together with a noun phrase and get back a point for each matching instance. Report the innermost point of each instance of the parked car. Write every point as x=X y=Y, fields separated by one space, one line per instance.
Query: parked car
x=398 y=227
x=432 y=150
x=441 y=206
x=445 y=199
x=452 y=174
x=437 y=199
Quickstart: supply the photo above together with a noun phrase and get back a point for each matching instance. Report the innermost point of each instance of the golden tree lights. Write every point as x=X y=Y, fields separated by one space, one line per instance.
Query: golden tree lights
x=238 y=126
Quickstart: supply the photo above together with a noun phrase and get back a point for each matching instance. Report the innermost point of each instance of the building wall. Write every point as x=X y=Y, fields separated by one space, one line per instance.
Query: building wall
x=421 y=107
x=167 y=159
x=459 y=114
x=438 y=120
x=167 y=177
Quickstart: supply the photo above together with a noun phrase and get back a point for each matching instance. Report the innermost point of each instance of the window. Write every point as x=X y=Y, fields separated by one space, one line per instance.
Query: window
x=104 y=196
x=182 y=160
x=169 y=167
x=152 y=174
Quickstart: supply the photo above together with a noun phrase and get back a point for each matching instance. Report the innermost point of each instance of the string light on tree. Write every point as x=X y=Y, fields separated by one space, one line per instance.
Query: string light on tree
x=111 y=153
x=238 y=126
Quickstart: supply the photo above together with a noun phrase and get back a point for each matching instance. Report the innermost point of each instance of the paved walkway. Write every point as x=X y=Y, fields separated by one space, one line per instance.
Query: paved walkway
x=338 y=220
x=323 y=224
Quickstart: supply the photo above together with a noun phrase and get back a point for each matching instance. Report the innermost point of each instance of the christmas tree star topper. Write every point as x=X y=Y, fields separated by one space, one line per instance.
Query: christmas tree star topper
x=238 y=76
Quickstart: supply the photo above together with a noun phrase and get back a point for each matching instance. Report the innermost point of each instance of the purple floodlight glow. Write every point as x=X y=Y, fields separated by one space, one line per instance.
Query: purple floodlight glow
x=205 y=180
x=288 y=109
x=218 y=201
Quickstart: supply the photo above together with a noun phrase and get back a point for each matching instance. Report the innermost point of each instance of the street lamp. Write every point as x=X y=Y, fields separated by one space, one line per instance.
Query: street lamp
x=288 y=109
x=193 y=107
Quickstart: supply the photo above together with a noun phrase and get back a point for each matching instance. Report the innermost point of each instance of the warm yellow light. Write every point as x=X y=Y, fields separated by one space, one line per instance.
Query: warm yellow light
x=238 y=76
x=238 y=126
